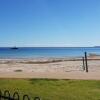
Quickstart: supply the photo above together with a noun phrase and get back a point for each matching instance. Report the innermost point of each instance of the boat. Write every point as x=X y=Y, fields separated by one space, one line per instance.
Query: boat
x=14 y=47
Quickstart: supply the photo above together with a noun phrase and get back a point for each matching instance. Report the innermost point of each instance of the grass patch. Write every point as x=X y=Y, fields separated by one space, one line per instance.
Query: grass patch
x=49 y=89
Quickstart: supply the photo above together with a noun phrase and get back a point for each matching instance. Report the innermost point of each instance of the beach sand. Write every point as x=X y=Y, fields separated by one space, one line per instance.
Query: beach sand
x=53 y=68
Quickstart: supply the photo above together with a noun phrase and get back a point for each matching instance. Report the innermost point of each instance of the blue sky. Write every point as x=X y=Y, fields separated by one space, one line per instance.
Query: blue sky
x=49 y=22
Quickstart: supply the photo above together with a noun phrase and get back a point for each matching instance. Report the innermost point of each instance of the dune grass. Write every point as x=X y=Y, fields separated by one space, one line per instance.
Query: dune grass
x=49 y=89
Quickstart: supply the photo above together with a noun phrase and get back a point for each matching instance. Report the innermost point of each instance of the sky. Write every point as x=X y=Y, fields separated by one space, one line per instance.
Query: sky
x=49 y=23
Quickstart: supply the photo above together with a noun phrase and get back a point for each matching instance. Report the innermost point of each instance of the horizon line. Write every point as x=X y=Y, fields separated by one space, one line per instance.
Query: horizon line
x=44 y=46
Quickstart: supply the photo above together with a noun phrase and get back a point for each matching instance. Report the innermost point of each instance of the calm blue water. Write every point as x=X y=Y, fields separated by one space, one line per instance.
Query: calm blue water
x=46 y=52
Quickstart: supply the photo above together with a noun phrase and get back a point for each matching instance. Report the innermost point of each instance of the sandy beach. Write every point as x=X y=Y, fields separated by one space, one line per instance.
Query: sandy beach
x=55 y=68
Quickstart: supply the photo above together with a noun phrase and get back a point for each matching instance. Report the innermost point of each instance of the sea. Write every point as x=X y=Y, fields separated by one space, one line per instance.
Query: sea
x=35 y=52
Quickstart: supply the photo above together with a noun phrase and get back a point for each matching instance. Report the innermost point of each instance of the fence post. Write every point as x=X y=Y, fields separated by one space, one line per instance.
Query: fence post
x=83 y=63
x=86 y=65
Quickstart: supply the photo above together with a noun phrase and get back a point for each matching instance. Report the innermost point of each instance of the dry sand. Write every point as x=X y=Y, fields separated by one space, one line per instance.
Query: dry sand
x=55 y=68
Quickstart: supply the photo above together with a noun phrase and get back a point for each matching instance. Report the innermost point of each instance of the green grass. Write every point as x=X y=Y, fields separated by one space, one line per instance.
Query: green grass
x=54 y=89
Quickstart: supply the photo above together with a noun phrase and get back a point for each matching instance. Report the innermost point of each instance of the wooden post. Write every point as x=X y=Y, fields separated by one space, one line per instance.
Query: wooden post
x=83 y=63
x=86 y=65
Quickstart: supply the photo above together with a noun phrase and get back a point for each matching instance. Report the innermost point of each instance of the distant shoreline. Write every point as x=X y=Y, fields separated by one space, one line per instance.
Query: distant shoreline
x=50 y=46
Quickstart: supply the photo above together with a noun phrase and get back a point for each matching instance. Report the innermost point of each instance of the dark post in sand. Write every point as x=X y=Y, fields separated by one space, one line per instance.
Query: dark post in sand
x=83 y=63
x=86 y=65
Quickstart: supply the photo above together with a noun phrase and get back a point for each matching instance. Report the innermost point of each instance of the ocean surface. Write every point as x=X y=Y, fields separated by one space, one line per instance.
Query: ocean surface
x=34 y=52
